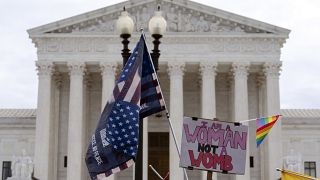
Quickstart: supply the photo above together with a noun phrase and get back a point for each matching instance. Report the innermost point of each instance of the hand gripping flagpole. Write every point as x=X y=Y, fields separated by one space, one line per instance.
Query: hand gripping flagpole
x=168 y=115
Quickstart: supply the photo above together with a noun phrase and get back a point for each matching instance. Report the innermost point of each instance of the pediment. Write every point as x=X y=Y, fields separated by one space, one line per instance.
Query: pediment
x=181 y=16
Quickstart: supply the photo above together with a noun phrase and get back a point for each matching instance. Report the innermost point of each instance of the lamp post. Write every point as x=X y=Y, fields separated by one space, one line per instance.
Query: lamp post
x=157 y=27
x=125 y=27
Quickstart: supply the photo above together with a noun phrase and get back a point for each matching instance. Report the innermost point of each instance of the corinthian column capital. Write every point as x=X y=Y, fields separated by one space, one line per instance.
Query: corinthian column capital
x=240 y=69
x=44 y=68
x=176 y=68
x=272 y=69
x=77 y=68
x=108 y=68
x=208 y=68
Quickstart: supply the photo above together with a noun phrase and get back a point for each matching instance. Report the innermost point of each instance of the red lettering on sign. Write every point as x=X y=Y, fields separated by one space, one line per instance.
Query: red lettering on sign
x=210 y=161
x=195 y=162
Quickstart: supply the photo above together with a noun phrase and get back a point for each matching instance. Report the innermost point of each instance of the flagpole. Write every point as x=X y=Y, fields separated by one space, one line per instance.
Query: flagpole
x=167 y=112
x=156 y=172
x=174 y=136
x=252 y=119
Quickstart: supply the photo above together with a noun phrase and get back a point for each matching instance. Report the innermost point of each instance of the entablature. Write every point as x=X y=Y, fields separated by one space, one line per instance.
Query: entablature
x=71 y=47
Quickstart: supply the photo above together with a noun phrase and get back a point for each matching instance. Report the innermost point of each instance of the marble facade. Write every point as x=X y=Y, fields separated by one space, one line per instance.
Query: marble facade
x=213 y=64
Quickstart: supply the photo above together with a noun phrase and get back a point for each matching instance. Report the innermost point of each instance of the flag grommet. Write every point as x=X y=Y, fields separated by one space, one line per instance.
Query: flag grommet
x=194 y=118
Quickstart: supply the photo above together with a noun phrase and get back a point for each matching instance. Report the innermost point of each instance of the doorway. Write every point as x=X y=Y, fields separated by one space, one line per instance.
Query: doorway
x=158 y=154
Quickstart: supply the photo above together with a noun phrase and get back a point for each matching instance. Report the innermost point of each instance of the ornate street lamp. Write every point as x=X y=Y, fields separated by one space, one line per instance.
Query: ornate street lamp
x=157 y=27
x=125 y=27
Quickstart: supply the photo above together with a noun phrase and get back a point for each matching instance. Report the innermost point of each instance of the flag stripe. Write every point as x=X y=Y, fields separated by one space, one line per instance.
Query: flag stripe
x=151 y=111
x=129 y=81
x=150 y=84
x=263 y=134
x=136 y=98
x=151 y=98
x=116 y=91
x=120 y=86
x=264 y=126
x=260 y=140
x=264 y=131
x=150 y=92
x=133 y=87
x=267 y=126
x=123 y=166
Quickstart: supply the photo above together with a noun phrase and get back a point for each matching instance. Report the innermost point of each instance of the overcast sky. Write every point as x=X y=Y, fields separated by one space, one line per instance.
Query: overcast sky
x=299 y=81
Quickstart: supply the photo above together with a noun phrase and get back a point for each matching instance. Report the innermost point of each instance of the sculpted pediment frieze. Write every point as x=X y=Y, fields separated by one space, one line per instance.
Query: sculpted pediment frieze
x=179 y=19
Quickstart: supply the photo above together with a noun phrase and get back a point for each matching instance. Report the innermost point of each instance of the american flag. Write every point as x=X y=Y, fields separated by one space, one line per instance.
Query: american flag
x=114 y=145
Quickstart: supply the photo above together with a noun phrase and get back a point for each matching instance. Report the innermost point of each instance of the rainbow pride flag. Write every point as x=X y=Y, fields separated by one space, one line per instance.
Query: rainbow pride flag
x=264 y=125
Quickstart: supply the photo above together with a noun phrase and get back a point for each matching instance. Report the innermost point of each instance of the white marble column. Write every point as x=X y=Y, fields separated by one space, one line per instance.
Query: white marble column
x=240 y=73
x=76 y=133
x=145 y=149
x=273 y=140
x=176 y=72
x=108 y=70
x=44 y=130
x=56 y=117
x=208 y=98
x=260 y=80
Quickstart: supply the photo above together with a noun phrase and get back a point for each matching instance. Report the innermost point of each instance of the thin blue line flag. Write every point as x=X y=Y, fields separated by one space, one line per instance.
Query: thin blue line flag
x=113 y=146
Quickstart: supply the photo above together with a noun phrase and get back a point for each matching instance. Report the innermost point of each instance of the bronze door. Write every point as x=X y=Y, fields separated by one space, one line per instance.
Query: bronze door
x=158 y=154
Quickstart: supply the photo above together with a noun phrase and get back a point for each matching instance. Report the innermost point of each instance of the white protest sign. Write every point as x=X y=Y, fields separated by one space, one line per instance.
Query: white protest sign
x=213 y=146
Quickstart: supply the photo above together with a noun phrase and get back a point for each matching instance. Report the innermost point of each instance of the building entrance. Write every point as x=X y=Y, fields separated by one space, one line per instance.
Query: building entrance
x=158 y=153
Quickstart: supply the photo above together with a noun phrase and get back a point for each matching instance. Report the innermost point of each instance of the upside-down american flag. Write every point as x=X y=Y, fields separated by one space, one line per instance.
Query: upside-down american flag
x=137 y=94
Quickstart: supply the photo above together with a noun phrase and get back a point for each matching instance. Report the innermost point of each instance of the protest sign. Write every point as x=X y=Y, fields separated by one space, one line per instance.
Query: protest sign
x=213 y=146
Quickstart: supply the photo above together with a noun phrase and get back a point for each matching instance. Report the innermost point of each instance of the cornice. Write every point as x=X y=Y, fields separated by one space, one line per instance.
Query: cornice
x=167 y=35
x=17 y=123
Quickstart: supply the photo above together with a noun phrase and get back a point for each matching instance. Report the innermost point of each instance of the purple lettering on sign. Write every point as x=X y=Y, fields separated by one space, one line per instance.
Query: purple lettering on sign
x=191 y=137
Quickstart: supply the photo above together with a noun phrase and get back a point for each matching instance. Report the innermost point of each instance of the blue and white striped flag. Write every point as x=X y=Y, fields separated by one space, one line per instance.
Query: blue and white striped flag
x=114 y=145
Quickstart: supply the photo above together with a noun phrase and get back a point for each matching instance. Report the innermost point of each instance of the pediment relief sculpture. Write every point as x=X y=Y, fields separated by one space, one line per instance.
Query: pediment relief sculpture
x=179 y=19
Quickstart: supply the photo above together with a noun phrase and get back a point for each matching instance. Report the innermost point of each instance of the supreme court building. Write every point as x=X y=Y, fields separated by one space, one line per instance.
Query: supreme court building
x=213 y=63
